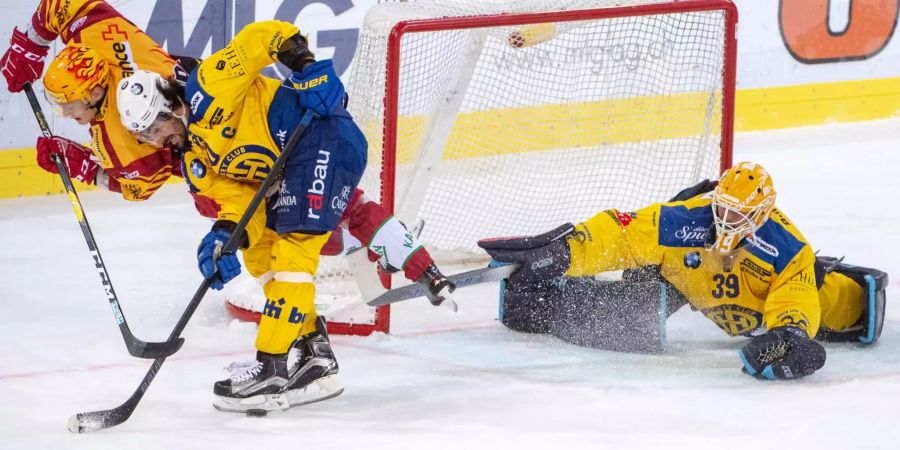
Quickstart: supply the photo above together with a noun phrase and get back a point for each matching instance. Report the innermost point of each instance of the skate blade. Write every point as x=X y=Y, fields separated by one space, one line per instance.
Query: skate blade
x=322 y=389
x=266 y=402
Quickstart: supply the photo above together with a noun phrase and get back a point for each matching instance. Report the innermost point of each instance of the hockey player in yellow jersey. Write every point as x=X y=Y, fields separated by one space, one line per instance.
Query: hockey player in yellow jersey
x=102 y=47
x=724 y=248
x=239 y=123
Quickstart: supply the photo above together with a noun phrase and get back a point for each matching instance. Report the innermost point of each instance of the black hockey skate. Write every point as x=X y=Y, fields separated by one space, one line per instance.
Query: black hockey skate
x=437 y=287
x=314 y=375
x=257 y=386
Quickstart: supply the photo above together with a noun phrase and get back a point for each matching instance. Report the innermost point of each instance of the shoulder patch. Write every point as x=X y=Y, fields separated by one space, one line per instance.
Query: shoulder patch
x=680 y=226
x=198 y=99
x=775 y=244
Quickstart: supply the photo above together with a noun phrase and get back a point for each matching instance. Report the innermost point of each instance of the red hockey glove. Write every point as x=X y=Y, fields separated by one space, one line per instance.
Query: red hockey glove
x=23 y=61
x=77 y=158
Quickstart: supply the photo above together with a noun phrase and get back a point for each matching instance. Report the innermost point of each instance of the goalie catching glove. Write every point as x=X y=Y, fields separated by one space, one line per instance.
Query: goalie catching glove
x=221 y=268
x=782 y=353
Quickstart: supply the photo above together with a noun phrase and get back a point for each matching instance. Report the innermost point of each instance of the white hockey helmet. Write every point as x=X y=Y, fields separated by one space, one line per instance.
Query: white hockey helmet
x=140 y=101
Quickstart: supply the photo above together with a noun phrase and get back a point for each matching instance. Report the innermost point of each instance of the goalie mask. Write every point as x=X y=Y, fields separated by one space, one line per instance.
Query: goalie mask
x=143 y=107
x=742 y=202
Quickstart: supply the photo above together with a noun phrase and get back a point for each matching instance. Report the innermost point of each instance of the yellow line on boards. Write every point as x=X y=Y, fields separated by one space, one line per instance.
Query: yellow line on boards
x=515 y=130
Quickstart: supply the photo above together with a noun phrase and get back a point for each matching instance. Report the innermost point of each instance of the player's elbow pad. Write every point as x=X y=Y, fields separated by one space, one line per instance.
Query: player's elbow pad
x=295 y=54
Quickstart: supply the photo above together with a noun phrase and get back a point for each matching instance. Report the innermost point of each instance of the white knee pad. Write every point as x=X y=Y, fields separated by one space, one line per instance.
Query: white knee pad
x=293 y=277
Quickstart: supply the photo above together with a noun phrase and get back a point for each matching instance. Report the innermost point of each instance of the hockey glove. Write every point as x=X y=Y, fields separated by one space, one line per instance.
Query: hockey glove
x=295 y=54
x=79 y=161
x=319 y=86
x=23 y=61
x=220 y=267
x=782 y=353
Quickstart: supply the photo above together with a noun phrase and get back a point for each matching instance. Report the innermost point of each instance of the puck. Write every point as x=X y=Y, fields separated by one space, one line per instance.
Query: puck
x=257 y=412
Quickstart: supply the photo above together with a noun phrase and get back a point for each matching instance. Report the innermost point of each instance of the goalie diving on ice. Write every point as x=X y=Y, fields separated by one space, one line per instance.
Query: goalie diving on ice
x=721 y=246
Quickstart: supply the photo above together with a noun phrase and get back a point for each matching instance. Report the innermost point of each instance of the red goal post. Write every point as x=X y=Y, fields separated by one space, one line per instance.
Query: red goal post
x=648 y=127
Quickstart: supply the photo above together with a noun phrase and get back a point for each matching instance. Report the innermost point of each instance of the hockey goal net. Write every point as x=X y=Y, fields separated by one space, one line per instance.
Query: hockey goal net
x=512 y=117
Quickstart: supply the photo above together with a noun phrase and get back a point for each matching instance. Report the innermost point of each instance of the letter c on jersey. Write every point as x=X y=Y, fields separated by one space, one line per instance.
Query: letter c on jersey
x=810 y=40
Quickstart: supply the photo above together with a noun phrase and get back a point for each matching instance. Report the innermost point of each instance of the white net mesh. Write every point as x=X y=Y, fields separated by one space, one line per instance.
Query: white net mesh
x=494 y=139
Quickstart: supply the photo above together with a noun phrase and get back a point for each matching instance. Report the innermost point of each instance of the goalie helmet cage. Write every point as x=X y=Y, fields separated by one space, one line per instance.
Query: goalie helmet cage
x=511 y=117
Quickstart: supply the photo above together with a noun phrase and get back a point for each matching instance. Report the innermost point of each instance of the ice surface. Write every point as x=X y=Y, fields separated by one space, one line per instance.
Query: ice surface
x=440 y=381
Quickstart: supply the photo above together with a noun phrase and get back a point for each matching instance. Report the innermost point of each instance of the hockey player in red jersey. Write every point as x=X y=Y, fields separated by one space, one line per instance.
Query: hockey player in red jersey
x=103 y=47
x=728 y=252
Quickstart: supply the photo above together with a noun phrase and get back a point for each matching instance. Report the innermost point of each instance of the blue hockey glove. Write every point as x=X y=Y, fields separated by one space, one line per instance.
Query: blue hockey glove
x=319 y=86
x=222 y=268
x=782 y=353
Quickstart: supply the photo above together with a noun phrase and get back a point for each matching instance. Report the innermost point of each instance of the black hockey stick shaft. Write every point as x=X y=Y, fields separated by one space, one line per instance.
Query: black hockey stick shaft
x=136 y=347
x=99 y=420
x=463 y=279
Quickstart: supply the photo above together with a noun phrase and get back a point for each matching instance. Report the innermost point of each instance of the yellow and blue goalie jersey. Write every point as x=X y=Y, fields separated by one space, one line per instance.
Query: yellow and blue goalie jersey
x=769 y=281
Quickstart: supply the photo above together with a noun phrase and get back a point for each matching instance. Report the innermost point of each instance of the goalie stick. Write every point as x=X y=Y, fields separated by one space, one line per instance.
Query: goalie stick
x=99 y=420
x=136 y=347
x=472 y=277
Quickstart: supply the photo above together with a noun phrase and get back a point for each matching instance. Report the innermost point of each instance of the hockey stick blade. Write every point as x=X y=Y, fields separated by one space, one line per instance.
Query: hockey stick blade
x=472 y=277
x=95 y=421
x=154 y=350
x=108 y=418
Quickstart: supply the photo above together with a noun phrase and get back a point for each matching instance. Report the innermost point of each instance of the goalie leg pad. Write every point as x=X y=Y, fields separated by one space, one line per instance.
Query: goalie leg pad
x=617 y=316
x=526 y=307
x=873 y=297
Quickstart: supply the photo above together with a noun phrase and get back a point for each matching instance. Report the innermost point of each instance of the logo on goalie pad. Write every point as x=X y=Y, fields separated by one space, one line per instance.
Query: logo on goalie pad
x=541 y=263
